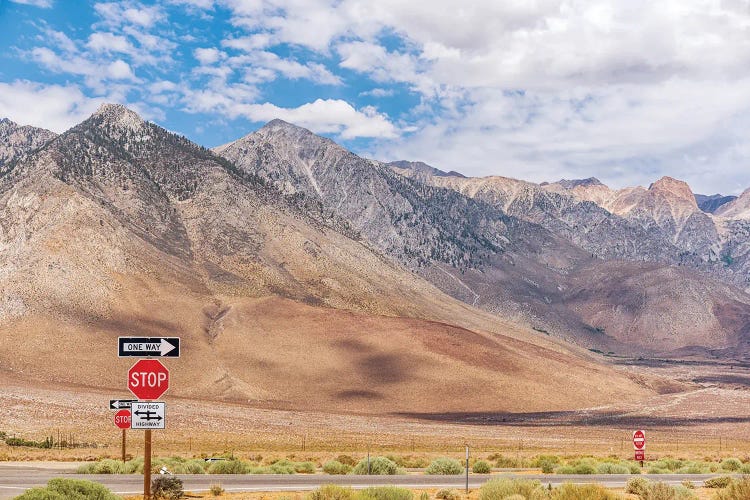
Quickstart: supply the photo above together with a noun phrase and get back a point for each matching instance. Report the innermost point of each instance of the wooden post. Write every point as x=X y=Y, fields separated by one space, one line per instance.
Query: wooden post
x=123 y=446
x=147 y=466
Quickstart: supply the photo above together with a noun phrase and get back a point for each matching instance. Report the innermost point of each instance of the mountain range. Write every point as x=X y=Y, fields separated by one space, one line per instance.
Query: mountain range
x=386 y=286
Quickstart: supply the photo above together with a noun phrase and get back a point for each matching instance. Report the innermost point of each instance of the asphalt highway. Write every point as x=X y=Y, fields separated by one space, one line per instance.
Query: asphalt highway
x=15 y=479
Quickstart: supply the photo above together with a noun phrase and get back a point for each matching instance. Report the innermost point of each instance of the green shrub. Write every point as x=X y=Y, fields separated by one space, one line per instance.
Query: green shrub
x=195 y=466
x=481 y=467
x=167 y=488
x=304 y=467
x=610 y=468
x=69 y=489
x=216 y=490
x=229 y=467
x=445 y=466
x=693 y=468
x=42 y=494
x=569 y=491
x=424 y=496
x=731 y=464
x=547 y=467
x=331 y=492
x=283 y=467
x=638 y=486
x=658 y=470
x=335 y=467
x=384 y=493
x=718 y=482
x=106 y=466
x=446 y=494
x=501 y=489
x=745 y=469
x=634 y=467
x=682 y=492
x=580 y=468
x=565 y=469
x=379 y=466
x=544 y=459
x=738 y=489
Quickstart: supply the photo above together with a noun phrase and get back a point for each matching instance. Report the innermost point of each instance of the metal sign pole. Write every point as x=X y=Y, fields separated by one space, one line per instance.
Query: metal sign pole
x=467 y=469
x=123 y=446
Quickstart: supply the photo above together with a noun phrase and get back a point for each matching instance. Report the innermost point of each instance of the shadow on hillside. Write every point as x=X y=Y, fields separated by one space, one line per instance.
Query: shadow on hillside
x=570 y=419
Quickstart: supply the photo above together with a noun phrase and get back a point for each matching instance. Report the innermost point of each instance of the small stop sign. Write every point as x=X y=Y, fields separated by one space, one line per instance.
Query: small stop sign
x=148 y=379
x=122 y=419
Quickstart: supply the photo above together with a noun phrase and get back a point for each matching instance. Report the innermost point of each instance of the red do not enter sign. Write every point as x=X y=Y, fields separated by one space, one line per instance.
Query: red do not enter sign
x=639 y=440
x=148 y=379
x=122 y=419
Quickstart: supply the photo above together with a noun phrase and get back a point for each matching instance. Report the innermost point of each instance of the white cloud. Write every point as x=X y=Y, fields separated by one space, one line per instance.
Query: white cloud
x=109 y=42
x=377 y=92
x=54 y=107
x=332 y=116
x=120 y=70
x=44 y=4
x=208 y=55
x=122 y=13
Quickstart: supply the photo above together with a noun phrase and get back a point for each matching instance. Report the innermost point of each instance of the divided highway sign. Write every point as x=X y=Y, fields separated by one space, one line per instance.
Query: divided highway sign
x=148 y=415
x=148 y=347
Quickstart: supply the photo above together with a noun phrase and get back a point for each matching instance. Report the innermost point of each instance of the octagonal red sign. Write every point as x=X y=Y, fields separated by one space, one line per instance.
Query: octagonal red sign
x=148 y=379
x=122 y=419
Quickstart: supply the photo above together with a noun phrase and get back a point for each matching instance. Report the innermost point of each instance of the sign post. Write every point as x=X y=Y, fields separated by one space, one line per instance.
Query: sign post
x=122 y=420
x=147 y=379
x=639 y=445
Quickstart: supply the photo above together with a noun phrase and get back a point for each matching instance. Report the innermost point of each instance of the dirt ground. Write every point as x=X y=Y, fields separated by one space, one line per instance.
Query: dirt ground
x=710 y=419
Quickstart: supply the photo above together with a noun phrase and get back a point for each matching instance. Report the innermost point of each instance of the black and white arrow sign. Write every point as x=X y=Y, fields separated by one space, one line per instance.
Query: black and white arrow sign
x=147 y=415
x=119 y=404
x=148 y=347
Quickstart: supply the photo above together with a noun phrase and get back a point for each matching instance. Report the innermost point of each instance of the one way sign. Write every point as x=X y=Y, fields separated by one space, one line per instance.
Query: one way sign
x=119 y=404
x=148 y=347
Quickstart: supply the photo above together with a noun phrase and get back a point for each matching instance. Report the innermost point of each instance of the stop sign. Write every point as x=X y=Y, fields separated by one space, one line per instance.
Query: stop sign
x=122 y=419
x=639 y=440
x=148 y=379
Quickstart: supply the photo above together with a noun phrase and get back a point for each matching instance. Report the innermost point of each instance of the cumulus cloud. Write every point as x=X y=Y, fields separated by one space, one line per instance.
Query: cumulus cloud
x=54 y=107
x=208 y=55
x=326 y=116
x=120 y=13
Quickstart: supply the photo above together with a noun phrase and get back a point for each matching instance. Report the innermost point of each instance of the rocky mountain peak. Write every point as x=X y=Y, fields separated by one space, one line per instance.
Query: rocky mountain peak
x=573 y=183
x=674 y=188
x=119 y=116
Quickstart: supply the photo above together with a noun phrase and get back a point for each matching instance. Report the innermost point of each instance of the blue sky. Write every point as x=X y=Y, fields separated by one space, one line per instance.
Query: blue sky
x=624 y=90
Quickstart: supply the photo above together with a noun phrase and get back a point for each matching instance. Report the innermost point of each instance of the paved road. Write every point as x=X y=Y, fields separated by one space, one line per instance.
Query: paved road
x=15 y=479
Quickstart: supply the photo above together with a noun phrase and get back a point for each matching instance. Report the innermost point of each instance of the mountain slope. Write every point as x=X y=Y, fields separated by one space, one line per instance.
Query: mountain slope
x=17 y=141
x=551 y=244
x=117 y=227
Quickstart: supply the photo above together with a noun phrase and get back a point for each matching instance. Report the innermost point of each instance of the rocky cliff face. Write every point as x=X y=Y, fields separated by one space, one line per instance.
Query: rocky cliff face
x=17 y=141
x=418 y=224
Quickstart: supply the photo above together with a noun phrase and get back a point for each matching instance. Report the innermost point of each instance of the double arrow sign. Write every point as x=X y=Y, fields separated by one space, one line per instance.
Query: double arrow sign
x=148 y=415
